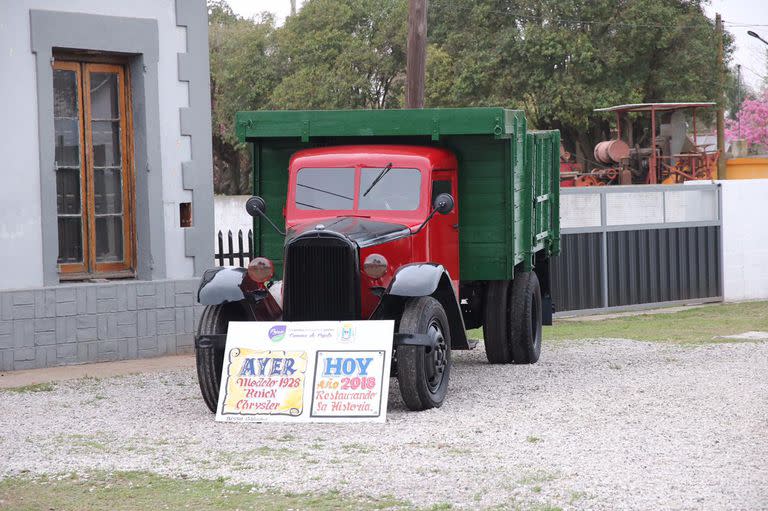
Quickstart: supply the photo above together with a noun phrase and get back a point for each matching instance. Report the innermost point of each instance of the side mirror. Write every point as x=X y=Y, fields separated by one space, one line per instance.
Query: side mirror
x=256 y=206
x=444 y=203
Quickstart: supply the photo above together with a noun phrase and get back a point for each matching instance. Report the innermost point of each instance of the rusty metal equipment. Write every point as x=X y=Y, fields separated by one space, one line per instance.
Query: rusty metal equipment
x=664 y=152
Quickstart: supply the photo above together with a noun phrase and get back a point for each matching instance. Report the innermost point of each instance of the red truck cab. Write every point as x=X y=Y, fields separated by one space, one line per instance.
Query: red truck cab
x=327 y=191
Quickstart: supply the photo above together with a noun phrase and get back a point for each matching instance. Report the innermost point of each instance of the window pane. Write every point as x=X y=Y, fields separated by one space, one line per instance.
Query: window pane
x=325 y=188
x=70 y=240
x=68 y=191
x=64 y=93
x=397 y=190
x=104 y=96
x=109 y=238
x=107 y=191
x=106 y=143
x=67 y=134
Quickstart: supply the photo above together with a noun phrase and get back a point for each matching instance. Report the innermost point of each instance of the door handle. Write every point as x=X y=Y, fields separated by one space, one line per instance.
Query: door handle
x=455 y=227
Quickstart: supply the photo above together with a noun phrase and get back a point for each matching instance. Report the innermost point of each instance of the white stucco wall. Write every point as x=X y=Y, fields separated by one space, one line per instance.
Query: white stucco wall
x=230 y=215
x=20 y=214
x=745 y=239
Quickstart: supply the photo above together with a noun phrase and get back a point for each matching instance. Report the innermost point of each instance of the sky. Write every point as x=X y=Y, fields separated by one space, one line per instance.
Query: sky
x=738 y=15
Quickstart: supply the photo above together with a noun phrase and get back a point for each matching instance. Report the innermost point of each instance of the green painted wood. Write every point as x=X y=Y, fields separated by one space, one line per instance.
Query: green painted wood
x=435 y=123
x=502 y=168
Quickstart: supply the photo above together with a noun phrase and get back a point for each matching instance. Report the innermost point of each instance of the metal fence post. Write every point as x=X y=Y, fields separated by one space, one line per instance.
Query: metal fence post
x=604 y=239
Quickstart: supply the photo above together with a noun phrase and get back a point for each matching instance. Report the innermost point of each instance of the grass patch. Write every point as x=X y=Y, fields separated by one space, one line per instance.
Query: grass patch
x=90 y=443
x=537 y=477
x=533 y=439
x=142 y=491
x=36 y=387
x=700 y=325
x=356 y=448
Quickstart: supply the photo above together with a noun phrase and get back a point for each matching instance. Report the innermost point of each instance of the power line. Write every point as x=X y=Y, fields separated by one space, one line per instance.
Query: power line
x=737 y=24
x=761 y=76
x=595 y=22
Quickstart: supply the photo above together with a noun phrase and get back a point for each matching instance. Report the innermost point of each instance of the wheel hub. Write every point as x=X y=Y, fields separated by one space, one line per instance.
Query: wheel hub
x=436 y=359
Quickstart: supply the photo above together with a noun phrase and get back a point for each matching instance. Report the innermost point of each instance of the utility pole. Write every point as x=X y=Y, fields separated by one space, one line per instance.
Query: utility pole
x=738 y=100
x=293 y=7
x=417 y=53
x=721 y=167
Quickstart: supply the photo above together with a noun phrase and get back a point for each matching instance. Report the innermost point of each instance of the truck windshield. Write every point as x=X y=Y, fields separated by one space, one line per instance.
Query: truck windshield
x=398 y=189
x=334 y=189
x=325 y=188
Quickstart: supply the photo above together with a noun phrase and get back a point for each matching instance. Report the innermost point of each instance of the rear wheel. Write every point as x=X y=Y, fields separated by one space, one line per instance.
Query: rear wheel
x=210 y=361
x=496 y=323
x=525 y=318
x=422 y=372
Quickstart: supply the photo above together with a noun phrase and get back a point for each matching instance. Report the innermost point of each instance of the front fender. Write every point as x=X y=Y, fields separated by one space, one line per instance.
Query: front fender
x=416 y=279
x=224 y=285
x=425 y=279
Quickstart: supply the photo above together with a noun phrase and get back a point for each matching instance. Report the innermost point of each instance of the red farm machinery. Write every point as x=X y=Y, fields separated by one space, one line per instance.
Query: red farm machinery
x=663 y=150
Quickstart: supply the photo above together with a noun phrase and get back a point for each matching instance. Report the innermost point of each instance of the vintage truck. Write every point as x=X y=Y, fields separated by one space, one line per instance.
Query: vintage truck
x=442 y=220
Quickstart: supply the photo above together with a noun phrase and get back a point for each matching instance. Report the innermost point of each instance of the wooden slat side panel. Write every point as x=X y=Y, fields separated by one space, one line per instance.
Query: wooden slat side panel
x=485 y=211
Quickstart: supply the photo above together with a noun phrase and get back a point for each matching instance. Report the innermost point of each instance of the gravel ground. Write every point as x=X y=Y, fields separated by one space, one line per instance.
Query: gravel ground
x=604 y=424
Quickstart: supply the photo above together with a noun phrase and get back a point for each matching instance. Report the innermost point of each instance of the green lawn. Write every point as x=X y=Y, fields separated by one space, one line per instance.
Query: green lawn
x=701 y=324
x=141 y=491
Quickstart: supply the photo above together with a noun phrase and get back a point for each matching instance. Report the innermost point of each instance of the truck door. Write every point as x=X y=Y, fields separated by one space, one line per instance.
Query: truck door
x=443 y=241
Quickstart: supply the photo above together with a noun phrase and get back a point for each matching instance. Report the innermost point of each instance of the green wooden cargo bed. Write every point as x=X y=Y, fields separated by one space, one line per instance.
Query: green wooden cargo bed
x=508 y=191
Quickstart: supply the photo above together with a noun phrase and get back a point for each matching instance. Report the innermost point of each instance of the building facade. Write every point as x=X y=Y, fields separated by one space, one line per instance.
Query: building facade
x=106 y=196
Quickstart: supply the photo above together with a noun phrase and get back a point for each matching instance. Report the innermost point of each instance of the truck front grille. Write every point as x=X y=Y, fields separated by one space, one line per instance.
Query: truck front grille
x=321 y=279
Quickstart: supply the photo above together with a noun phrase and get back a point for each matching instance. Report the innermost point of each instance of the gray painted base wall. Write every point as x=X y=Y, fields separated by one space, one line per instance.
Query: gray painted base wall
x=79 y=323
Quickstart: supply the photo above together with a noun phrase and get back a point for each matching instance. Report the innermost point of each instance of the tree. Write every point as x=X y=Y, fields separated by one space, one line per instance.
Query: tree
x=243 y=75
x=560 y=59
x=753 y=121
x=342 y=54
x=557 y=60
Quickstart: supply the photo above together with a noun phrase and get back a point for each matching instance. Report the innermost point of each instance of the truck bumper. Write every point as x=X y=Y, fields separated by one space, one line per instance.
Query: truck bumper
x=219 y=341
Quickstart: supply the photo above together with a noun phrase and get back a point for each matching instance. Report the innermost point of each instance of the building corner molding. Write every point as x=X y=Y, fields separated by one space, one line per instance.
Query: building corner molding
x=195 y=120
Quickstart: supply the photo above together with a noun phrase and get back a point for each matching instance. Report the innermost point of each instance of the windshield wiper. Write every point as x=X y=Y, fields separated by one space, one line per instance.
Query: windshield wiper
x=378 y=178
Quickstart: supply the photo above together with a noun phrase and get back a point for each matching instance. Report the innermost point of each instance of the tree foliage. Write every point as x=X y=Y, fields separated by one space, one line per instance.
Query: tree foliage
x=561 y=59
x=751 y=123
x=556 y=59
x=243 y=75
x=342 y=54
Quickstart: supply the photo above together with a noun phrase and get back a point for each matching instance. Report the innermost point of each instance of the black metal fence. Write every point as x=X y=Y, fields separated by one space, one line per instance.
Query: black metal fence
x=625 y=246
x=234 y=254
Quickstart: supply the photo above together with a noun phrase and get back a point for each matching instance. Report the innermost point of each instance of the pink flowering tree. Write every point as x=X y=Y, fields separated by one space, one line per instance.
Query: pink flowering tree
x=753 y=116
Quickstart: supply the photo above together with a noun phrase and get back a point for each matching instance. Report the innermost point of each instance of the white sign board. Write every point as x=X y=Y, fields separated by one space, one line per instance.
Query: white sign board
x=314 y=371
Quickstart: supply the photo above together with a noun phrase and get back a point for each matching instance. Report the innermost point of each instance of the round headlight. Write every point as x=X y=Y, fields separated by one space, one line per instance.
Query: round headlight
x=260 y=270
x=375 y=266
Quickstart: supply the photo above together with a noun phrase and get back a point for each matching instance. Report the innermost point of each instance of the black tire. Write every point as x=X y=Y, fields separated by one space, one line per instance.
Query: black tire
x=210 y=361
x=525 y=318
x=496 y=323
x=423 y=373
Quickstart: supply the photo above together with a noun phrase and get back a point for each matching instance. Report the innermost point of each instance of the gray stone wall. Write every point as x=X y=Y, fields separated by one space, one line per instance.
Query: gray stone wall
x=96 y=322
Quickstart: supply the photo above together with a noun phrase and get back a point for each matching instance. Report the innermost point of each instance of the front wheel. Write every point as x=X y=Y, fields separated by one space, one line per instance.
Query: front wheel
x=210 y=361
x=423 y=372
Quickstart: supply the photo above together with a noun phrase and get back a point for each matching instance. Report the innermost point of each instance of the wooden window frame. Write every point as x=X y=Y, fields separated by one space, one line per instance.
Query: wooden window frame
x=90 y=268
x=69 y=269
